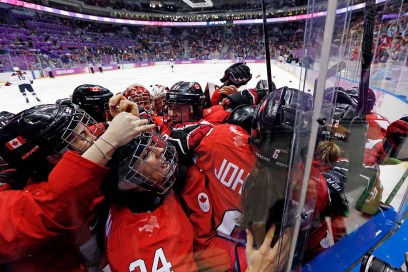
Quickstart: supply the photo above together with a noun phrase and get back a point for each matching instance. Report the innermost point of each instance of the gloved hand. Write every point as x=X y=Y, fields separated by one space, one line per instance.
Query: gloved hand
x=397 y=130
x=187 y=138
x=246 y=97
x=237 y=74
x=31 y=81
x=8 y=84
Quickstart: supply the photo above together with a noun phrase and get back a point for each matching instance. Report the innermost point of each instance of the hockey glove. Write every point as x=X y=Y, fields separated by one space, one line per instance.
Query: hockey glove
x=188 y=137
x=246 y=97
x=397 y=131
x=237 y=74
x=8 y=84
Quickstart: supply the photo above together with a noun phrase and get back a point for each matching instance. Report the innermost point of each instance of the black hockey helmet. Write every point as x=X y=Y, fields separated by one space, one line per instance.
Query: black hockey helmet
x=65 y=102
x=41 y=131
x=274 y=124
x=354 y=92
x=4 y=117
x=94 y=100
x=147 y=164
x=243 y=116
x=343 y=103
x=185 y=102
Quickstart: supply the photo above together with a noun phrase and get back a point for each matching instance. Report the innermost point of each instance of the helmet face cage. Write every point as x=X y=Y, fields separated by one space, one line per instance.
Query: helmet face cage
x=152 y=165
x=159 y=96
x=140 y=95
x=80 y=133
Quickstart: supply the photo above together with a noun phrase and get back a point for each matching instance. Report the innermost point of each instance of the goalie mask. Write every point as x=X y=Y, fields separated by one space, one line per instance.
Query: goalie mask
x=94 y=100
x=140 y=95
x=46 y=130
x=185 y=102
x=274 y=125
x=148 y=163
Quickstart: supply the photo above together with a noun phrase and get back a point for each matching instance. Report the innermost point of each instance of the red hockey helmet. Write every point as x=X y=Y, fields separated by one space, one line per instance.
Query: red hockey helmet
x=140 y=95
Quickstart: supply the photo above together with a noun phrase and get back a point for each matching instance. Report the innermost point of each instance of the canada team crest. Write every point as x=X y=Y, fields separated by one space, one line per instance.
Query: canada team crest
x=203 y=202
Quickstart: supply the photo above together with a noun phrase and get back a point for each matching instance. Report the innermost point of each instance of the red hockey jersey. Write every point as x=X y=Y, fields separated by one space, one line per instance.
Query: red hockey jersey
x=161 y=240
x=40 y=222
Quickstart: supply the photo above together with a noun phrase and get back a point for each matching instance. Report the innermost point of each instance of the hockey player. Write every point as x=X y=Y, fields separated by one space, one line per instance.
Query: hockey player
x=94 y=100
x=377 y=128
x=24 y=81
x=172 y=65
x=226 y=159
x=184 y=102
x=147 y=229
x=45 y=222
x=266 y=189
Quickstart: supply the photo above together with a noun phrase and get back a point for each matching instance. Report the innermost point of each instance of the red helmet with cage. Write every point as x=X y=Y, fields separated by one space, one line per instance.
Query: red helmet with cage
x=158 y=94
x=140 y=95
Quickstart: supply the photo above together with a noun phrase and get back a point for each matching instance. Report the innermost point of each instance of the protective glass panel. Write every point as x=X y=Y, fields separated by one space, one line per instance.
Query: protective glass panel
x=310 y=169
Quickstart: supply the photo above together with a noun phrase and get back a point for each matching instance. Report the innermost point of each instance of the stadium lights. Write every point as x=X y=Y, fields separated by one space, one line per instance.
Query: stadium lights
x=206 y=3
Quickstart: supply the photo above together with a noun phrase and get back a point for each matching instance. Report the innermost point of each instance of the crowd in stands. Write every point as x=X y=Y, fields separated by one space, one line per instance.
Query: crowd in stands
x=42 y=40
x=181 y=12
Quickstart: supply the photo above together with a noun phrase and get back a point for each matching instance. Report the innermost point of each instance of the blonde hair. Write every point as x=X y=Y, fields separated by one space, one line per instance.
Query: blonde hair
x=327 y=152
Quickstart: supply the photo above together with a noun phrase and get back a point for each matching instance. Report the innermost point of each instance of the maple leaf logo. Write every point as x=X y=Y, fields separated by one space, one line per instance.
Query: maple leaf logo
x=14 y=143
x=203 y=202
x=203 y=199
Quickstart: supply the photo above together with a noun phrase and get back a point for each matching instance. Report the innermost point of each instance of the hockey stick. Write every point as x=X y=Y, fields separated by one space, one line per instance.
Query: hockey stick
x=331 y=72
x=357 y=126
x=366 y=56
x=266 y=41
x=396 y=188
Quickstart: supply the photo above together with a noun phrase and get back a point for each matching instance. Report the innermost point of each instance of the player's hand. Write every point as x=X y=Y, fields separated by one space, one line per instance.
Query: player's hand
x=118 y=103
x=266 y=258
x=124 y=128
x=237 y=74
x=228 y=90
x=7 y=84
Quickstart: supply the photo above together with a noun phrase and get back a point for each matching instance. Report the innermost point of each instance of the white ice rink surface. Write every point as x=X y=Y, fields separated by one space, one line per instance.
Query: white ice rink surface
x=49 y=90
